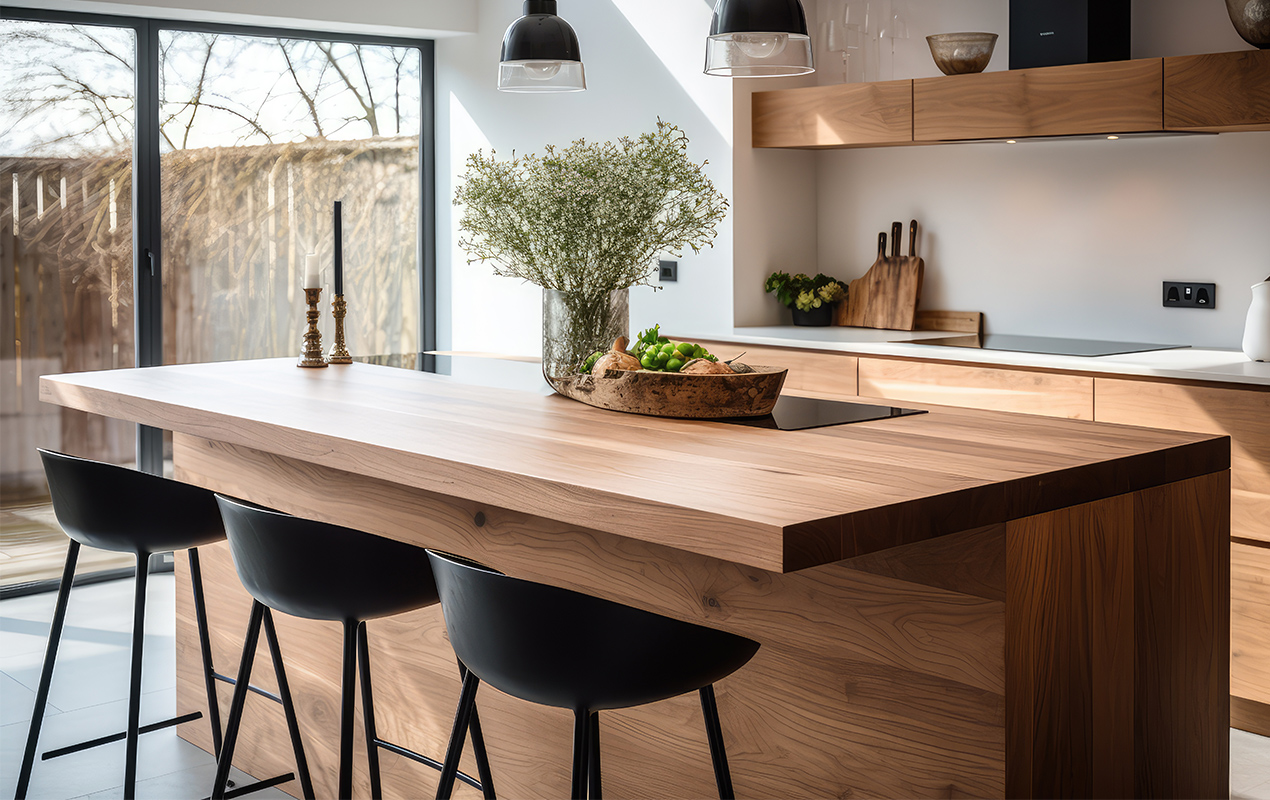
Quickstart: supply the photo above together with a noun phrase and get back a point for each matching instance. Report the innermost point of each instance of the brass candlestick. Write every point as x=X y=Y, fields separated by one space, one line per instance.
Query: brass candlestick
x=339 y=353
x=311 y=355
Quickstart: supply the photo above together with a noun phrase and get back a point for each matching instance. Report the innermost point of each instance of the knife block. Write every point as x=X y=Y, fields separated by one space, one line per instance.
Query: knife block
x=888 y=294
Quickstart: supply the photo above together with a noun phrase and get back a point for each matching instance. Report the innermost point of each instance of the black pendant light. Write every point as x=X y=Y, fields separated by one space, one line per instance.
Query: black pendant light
x=758 y=38
x=540 y=53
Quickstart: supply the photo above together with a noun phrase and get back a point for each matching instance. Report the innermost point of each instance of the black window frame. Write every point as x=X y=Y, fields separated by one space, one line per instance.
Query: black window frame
x=147 y=230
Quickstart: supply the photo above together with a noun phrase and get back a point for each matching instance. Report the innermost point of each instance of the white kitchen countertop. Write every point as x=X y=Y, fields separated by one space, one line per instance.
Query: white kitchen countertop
x=1189 y=364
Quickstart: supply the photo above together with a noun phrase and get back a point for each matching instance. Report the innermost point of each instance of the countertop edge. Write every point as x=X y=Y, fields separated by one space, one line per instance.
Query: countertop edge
x=1130 y=365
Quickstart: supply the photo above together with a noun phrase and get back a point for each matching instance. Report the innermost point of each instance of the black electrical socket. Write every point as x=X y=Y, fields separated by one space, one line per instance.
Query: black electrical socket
x=1179 y=294
x=667 y=271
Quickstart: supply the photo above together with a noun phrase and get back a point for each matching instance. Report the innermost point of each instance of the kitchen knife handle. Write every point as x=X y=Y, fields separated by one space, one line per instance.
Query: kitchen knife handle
x=912 y=238
x=897 y=230
x=882 y=245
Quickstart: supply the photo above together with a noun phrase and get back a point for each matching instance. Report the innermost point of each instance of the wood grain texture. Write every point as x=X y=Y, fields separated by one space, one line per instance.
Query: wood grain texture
x=879 y=676
x=848 y=115
x=1050 y=394
x=1113 y=97
x=1218 y=92
x=1250 y=623
x=1242 y=414
x=955 y=321
x=1249 y=715
x=551 y=456
x=1111 y=609
x=1182 y=618
x=819 y=372
x=867 y=685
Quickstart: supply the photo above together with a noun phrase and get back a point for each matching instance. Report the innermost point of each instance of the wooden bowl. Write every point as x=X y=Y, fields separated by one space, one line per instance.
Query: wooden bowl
x=672 y=394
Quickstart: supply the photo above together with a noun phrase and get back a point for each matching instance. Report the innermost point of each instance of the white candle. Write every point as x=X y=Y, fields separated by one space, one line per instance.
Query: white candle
x=312 y=273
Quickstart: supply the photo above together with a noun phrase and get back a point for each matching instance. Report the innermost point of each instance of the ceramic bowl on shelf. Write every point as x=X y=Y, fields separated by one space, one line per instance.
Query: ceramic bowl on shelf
x=962 y=53
x=1251 y=19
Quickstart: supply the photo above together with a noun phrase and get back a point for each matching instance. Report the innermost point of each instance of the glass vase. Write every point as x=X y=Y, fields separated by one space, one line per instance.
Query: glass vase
x=576 y=324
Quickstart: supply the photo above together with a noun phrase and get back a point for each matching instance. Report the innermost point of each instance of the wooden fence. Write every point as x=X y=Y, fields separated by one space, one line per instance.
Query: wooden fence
x=237 y=224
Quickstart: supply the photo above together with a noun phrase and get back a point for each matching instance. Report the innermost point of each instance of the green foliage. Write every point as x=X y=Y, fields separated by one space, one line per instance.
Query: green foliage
x=590 y=218
x=805 y=293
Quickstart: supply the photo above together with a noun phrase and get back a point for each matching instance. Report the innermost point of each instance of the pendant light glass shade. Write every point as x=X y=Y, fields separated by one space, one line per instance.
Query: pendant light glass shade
x=758 y=38
x=540 y=53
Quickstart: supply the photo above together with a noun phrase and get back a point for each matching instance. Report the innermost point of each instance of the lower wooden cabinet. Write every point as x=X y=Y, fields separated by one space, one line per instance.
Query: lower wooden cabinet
x=1242 y=414
x=1250 y=637
x=990 y=388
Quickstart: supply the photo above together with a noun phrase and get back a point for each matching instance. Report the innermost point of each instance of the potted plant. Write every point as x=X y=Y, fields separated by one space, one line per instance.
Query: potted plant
x=586 y=223
x=810 y=299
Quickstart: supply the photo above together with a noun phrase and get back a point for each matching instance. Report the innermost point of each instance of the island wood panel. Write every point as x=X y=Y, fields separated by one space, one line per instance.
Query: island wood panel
x=866 y=685
x=1218 y=91
x=1112 y=97
x=817 y=372
x=847 y=115
x=1044 y=393
x=1111 y=608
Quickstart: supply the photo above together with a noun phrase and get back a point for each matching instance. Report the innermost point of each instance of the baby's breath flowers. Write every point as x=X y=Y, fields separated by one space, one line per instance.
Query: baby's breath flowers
x=589 y=218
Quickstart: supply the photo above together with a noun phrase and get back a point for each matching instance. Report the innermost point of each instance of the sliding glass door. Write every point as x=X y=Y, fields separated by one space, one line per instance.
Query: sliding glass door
x=67 y=105
x=161 y=184
x=260 y=136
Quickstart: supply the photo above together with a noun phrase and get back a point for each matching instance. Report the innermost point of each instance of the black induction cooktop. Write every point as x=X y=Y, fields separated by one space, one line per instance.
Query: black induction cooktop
x=1045 y=345
x=800 y=413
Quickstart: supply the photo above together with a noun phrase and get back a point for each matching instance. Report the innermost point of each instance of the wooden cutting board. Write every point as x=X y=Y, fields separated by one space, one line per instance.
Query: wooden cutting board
x=887 y=295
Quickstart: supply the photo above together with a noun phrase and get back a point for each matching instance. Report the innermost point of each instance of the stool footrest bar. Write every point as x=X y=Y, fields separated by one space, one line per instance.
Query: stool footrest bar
x=257 y=786
x=250 y=687
x=119 y=737
x=422 y=759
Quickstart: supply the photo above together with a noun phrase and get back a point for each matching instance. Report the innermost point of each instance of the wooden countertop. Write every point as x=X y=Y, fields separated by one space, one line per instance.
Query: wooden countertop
x=776 y=500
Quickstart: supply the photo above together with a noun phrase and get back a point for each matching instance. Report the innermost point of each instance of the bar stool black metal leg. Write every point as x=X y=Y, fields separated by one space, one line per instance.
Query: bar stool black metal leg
x=241 y=686
x=134 y=689
x=595 y=782
x=714 y=734
x=462 y=717
x=205 y=649
x=581 y=753
x=478 y=748
x=46 y=672
x=368 y=712
x=288 y=706
x=348 y=686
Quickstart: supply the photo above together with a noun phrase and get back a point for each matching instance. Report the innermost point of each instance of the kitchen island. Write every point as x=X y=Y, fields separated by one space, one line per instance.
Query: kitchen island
x=958 y=603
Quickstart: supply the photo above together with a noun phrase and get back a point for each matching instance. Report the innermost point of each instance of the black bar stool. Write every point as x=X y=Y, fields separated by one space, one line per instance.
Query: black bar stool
x=120 y=509
x=560 y=648
x=320 y=571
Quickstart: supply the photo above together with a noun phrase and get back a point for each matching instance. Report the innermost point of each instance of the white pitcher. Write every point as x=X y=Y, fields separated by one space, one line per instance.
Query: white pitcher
x=1257 y=329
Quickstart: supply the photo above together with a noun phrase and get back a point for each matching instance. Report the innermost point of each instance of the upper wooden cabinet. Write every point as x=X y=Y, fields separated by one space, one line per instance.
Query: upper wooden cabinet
x=1116 y=97
x=1218 y=92
x=847 y=115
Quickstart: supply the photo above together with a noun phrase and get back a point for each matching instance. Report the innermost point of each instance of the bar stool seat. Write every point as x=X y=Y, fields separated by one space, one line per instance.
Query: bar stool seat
x=115 y=508
x=316 y=570
x=561 y=648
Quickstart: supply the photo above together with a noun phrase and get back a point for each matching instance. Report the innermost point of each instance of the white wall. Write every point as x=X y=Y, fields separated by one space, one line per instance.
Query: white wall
x=423 y=18
x=643 y=61
x=1064 y=237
